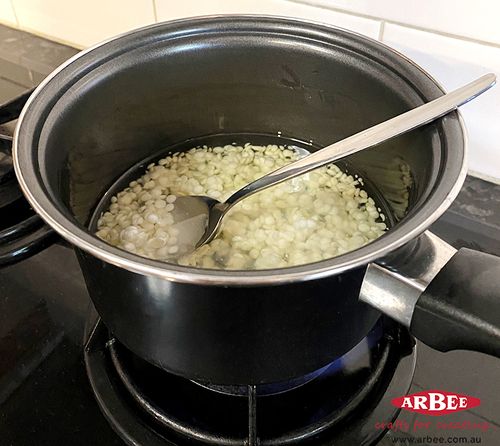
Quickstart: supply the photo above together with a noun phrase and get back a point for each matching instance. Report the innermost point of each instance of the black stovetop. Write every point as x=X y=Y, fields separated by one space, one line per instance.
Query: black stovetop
x=45 y=396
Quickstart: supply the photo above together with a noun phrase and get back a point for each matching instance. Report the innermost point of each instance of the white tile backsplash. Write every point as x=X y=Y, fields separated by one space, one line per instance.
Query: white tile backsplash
x=453 y=63
x=7 y=15
x=476 y=19
x=83 y=23
x=168 y=10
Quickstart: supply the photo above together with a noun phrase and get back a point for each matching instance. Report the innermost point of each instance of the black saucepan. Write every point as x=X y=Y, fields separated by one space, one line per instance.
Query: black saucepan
x=243 y=79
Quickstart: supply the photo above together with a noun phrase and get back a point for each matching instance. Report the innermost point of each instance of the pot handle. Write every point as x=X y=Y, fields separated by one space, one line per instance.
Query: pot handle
x=448 y=299
x=460 y=308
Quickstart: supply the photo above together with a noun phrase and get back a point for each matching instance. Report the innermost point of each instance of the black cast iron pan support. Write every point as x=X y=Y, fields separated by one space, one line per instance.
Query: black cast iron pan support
x=12 y=109
x=252 y=416
x=31 y=235
x=448 y=299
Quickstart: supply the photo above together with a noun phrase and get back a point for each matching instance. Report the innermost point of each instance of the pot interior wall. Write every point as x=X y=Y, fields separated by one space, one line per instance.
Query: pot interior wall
x=156 y=95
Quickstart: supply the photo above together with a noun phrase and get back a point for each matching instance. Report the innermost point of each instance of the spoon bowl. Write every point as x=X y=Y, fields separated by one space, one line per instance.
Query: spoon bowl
x=198 y=219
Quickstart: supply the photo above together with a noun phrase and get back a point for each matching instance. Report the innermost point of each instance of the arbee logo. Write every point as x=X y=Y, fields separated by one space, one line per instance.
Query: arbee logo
x=436 y=402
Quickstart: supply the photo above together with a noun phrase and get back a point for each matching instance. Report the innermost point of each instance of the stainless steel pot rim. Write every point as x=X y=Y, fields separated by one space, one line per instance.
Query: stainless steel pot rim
x=89 y=243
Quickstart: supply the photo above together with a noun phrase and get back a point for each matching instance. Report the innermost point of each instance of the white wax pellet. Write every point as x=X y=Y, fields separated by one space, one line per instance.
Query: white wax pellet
x=310 y=218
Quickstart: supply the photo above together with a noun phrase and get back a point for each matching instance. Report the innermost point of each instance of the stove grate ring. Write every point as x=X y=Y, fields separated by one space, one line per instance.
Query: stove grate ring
x=205 y=437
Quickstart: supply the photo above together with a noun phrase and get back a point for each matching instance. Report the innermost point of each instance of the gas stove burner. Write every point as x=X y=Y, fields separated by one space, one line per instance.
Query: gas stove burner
x=265 y=389
x=347 y=362
x=22 y=232
x=339 y=404
x=17 y=216
x=9 y=189
x=6 y=166
x=9 y=111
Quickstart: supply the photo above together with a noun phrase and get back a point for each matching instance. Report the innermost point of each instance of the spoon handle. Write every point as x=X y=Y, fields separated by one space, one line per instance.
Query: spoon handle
x=370 y=137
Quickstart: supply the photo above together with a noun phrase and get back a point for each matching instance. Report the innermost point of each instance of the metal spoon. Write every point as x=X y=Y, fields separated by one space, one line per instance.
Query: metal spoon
x=201 y=216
